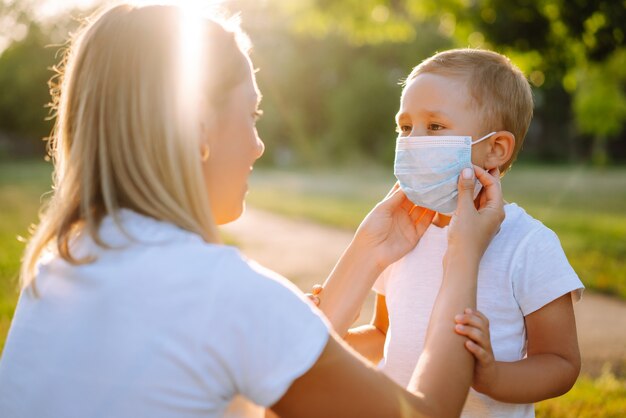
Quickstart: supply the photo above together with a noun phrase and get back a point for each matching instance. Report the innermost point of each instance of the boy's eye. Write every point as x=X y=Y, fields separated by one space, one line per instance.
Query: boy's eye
x=435 y=127
x=404 y=129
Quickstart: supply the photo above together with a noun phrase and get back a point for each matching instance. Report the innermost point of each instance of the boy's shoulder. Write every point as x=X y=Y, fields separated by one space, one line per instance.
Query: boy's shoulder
x=520 y=229
x=518 y=222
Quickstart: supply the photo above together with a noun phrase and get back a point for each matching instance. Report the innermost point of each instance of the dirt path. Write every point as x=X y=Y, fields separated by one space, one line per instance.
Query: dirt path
x=306 y=252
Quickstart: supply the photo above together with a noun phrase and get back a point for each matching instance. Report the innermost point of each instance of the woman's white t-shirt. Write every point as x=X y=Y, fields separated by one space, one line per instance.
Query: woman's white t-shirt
x=164 y=325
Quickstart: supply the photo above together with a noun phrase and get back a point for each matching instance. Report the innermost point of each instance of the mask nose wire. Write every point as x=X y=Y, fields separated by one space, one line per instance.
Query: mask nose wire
x=483 y=138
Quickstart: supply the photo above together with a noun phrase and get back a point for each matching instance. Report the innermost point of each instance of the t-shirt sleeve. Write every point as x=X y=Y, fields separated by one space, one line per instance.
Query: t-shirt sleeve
x=270 y=333
x=541 y=272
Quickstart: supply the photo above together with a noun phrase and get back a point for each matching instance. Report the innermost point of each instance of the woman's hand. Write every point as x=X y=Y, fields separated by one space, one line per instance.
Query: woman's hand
x=471 y=227
x=392 y=228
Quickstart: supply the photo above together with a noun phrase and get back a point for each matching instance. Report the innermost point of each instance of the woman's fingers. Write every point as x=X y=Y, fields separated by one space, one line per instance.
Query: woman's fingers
x=422 y=224
x=491 y=186
x=393 y=189
x=466 y=189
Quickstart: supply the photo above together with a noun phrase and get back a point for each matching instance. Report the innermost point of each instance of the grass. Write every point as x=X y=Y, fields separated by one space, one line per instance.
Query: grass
x=21 y=187
x=603 y=397
x=585 y=207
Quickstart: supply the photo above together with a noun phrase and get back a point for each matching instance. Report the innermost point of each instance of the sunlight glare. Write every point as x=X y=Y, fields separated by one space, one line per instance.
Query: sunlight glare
x=190 y=65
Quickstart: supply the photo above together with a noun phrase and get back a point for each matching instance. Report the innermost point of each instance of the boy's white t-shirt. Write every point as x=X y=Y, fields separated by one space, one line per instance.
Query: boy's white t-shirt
x=167 y=326
x=523 y=269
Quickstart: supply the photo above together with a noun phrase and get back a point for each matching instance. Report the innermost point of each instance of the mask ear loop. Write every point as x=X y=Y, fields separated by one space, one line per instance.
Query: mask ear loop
x=483 y=138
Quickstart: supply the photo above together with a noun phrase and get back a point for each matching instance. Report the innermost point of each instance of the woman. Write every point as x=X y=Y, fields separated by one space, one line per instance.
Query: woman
x=132 y=307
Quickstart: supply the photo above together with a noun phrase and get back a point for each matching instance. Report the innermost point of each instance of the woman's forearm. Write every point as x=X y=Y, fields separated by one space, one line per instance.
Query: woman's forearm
x=347 y=287
x=444 y=370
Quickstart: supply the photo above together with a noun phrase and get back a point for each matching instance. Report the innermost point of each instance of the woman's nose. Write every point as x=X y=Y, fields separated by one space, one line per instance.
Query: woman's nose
x=260 y=147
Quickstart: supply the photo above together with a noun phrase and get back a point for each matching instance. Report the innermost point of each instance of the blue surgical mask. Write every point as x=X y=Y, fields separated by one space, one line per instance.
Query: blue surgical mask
x=428 y=169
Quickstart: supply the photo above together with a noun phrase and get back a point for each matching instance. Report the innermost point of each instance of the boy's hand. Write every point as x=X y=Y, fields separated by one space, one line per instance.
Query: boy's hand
x=474 y=325
x=315 y=295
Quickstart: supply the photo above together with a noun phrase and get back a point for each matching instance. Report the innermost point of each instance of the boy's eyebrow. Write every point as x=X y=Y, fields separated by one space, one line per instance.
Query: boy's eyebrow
x=400 y=115
x=435 y=112
x=427 y=112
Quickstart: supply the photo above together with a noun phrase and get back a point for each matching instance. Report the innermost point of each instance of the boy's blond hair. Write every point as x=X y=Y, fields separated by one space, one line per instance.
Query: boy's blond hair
x=498 y=88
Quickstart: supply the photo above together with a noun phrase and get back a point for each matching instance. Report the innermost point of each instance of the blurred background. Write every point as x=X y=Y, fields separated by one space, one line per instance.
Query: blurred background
x=330 y=73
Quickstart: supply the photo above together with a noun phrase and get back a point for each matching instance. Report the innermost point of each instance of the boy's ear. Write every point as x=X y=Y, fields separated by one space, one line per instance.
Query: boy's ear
x=502 y=146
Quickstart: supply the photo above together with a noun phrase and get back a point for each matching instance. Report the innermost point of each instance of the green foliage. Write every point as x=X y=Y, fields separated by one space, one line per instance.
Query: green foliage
x=600 y=101
x=329 y=71
x=21 y=186
x=565 y=48
x=24 y=73
x=326 y=100
x=603 y=397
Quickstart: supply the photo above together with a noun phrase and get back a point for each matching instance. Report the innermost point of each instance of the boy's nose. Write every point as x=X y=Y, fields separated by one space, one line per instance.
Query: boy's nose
x=418 y=131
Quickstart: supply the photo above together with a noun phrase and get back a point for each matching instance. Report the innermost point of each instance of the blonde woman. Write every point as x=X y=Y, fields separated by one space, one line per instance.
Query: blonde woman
x=132 y=307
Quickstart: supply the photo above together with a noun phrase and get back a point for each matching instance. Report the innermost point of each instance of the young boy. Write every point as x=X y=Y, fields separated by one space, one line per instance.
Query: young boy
x=526 y=286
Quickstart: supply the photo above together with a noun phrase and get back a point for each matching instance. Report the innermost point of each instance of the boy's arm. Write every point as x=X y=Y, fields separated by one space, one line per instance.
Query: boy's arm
x=552 y=363
x=369 y=340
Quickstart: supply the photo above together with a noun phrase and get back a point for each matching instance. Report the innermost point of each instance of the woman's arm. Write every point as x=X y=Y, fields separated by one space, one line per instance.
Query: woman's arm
x=343 y=384
x=386 y=234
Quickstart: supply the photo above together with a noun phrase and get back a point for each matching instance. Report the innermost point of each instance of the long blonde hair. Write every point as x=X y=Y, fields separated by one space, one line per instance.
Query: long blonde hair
x=120 y=138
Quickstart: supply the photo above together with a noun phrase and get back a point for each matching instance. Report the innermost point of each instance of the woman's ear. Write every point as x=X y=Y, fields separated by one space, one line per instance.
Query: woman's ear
x=502 y=146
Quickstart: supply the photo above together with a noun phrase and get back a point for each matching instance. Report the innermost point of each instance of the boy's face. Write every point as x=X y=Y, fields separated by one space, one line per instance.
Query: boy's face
x=437 y=105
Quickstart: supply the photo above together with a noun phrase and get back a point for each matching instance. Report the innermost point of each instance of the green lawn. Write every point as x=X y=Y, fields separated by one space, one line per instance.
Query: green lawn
x=21 y=187
x=587 y=208
x=603 y=397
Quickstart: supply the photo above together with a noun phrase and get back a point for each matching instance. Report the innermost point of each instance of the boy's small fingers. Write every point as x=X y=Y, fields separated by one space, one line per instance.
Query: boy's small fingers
x=480 y=353
x=475 y=334
x=313 y=298
x=472 y=320
x=482 y=316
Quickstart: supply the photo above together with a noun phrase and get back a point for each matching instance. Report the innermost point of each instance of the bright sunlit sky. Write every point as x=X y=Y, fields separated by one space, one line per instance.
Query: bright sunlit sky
x=45 y=9
x=52 y=7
